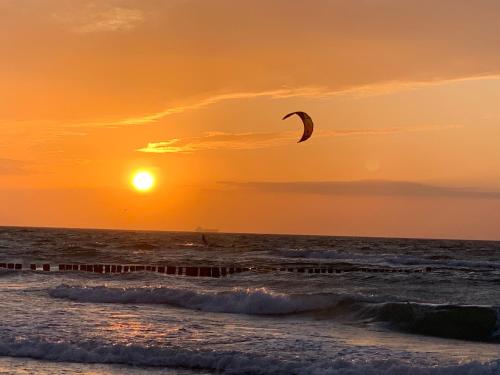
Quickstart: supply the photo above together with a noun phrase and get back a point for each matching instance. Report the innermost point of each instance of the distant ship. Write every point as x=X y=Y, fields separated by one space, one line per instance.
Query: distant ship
x=205 y=230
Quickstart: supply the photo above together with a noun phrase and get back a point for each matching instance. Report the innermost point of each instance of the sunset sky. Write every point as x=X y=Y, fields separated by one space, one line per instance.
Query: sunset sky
x=405 y=96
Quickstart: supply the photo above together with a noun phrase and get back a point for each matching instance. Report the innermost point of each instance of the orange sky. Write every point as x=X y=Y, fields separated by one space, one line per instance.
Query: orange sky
x=404 y=95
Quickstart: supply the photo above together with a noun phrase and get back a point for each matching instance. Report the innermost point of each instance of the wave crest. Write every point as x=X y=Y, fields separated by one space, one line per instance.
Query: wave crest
x=478 y=323
x=389 y=260
x=230 y=362
x=254 y=301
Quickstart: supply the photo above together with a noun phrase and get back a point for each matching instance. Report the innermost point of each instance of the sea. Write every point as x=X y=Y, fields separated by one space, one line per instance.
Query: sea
x=360 y=306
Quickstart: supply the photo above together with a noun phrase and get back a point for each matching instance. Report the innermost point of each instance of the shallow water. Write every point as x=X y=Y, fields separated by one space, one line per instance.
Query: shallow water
x=256 y=322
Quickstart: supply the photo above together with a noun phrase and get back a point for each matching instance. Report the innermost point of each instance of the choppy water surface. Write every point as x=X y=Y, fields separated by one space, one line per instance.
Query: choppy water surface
x=265 y=322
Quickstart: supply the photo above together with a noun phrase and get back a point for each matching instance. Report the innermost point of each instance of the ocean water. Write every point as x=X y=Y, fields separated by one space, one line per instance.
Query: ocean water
x=261 y=321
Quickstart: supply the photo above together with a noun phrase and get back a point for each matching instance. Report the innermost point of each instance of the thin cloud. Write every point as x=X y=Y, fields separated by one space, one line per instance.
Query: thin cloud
x=218 y=141
x=386 y=131
x=309 y=92
x=214 y=99
x=365 y=187
x=92 y=19
x=252 y=141
x=13 y=167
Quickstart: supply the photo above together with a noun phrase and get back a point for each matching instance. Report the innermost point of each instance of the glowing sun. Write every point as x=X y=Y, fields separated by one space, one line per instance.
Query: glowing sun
x=143 y=181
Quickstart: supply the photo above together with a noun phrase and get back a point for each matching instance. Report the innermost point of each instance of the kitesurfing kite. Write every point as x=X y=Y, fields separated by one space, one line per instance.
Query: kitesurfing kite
x=308 y=124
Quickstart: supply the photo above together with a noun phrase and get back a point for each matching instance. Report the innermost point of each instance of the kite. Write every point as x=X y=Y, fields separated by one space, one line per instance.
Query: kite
x=308 y=124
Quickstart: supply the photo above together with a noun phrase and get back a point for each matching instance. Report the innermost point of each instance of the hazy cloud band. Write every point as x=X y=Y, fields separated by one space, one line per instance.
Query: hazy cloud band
x=365 y=187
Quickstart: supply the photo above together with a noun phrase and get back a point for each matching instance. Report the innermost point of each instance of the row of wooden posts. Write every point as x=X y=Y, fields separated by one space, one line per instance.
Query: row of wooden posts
x=198 y=271
x=118 y=268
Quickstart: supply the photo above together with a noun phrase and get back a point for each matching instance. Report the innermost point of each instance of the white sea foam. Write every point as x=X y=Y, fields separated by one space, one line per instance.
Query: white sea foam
x=388 y=259
x=238 y=300
x=229 y=362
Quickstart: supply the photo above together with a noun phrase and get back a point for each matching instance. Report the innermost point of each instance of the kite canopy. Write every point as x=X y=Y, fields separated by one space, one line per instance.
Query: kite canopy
x=308 y=124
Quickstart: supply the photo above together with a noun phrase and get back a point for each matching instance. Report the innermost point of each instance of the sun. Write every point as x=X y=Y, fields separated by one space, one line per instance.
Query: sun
x=143 y=181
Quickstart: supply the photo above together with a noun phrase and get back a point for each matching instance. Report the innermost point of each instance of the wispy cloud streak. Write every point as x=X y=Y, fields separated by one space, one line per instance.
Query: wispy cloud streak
x=218 y=141
x=252 y=141
x=281 y=93
x=309 y=92
x=13 y=167
x=93 y=18
x=365 y=187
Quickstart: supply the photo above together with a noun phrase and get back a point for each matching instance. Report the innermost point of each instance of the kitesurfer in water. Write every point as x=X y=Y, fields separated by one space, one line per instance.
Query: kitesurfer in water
x=204 y=239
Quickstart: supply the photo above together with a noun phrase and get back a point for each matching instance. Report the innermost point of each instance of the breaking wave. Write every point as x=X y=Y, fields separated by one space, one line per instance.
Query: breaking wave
x=253 y=301
x=390 y=259
x=479 y=323
x=475 y=323
x=230 y=362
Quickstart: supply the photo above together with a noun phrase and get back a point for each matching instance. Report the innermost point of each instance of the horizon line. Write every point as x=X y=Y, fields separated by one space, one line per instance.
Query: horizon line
x=48 y=227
